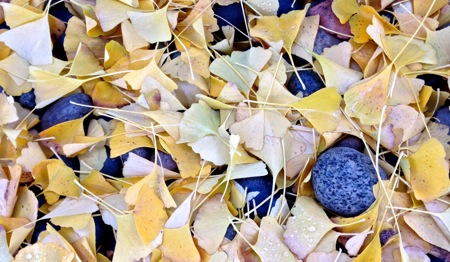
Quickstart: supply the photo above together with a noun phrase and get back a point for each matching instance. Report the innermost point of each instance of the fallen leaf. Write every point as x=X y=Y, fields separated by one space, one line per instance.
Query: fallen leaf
x=50 y=250
x=365 y=99
x=270 y=245
x=211 y=223
x=149 y=214
x=153 y=27
x=324 y=116
x=233 y=68
x=306 y=227
x=427 y=171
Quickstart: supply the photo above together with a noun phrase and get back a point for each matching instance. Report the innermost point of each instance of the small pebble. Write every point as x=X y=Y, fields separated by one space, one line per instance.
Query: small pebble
x=351 y=142
x=311 y=80
x=233 y=15
x=328 y=19
x=231 y=233
x=342 y=179
x=324 y=40
x=28 y=100
x=442 y=116
x=285 y=6
x=261 y=184
x=385 y=235
x=435 y=81
x=105 y=240
x=63 y=110
x=112 y=166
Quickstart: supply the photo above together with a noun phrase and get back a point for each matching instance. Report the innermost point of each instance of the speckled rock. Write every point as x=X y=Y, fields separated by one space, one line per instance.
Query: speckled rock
x=342 y=179
x=63 y=110
x=311 y=80
x=351 y=142
x=442 y=116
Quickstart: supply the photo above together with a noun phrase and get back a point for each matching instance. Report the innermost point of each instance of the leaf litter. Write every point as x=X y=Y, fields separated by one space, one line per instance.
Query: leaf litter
x=222 y=111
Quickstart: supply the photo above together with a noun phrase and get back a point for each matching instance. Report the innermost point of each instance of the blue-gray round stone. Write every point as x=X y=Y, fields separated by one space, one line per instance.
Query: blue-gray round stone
x=63 y=110
x=342 y=179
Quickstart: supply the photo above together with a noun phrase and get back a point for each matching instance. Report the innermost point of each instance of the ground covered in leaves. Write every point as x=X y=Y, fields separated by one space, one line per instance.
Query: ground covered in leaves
x=163 y=75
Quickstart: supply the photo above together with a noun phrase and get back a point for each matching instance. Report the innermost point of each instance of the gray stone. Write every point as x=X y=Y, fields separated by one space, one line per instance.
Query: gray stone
x=342 y=180
x=63 y=110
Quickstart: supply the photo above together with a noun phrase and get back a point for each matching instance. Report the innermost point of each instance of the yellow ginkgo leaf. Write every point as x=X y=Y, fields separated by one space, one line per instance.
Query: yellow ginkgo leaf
x=240 y=67
x=149 y=214
x=107 y=95
x=428 y=171
x=77 y=32
x=8 y=113
x=110 y=13
x=344 y=9
x=97 y=184
x=62 y=134
x=365 y=99
x=255 y=128
x=31 y=41
x=178 y=244
x=270 y=245
x=187 y=160
x=121 y=144
x=131 y=39
x=361 y=20
x=113 y=53
x=421 y=7
x=17 y=67
x=130 y=246
x=284 y=28
x=51 y=251
x=85 y=63
x=211 y=223
x=16 y=15
x=48 y=87
x=322 y=109
x=337 y=75
x=153 y=27
x=373 y=251
x=306 y=227
x=61 y=180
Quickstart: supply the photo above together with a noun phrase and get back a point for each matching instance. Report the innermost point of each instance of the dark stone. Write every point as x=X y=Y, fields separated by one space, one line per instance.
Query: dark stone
x=285 y=6
x=231 y=14
x=28 y=100
x=165 y=160
x=442 y=116
x=351 y=142
x=112 y=166
x=385 y=235
x=435 y=81
x=231 y=233
x=324 y=40
x=105 y=240
x=71 y=162
x=143 y=152
x=63 y=110
x=388 y=15
x=263 y=185
x=342 y=179
x=41 y=225
x=61 y=12
x=311 y=80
